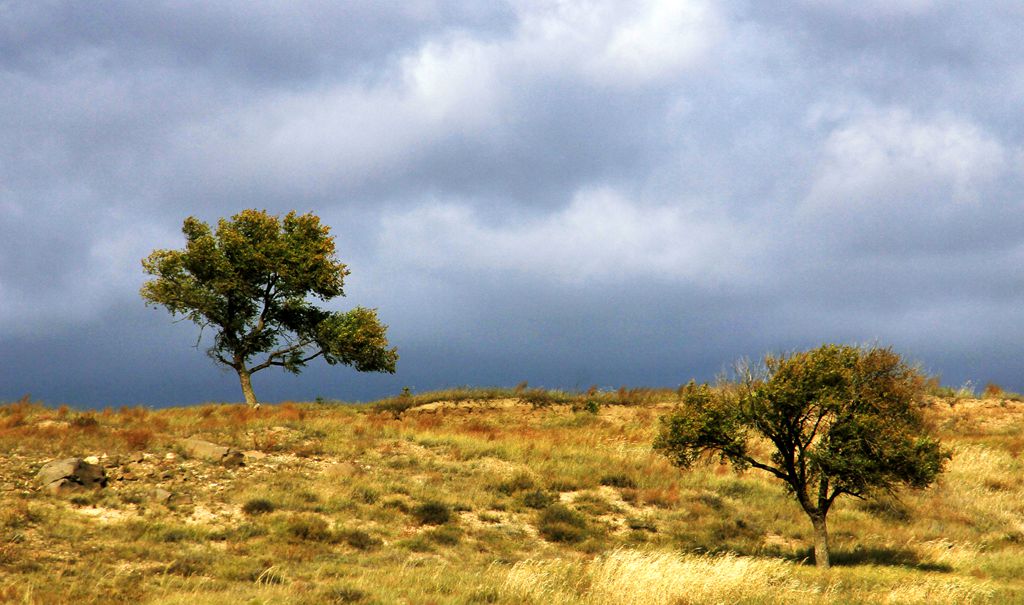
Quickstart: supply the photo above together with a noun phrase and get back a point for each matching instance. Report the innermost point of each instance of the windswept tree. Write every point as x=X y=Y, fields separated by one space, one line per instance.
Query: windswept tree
x=834 y=420
x=252 y=281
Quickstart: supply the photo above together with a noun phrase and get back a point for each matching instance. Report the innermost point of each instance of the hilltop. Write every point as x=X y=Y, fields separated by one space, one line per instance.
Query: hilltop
x=497 y=496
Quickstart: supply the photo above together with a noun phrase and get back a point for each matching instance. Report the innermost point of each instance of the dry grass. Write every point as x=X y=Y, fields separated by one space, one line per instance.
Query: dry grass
x=339 y=488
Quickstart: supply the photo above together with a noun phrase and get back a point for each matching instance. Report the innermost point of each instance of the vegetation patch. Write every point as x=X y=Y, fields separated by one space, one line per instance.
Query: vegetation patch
x=558 y=523
x=432 y=513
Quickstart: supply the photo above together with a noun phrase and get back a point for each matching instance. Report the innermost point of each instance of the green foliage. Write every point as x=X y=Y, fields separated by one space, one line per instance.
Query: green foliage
x=840 y=420
x=251 y=280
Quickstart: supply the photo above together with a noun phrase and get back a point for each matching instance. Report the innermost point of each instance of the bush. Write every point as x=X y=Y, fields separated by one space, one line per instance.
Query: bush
x=344 y=594
x=309 y=528
x=619 y=480
x=432 y=513
x=558 y=523
x=359 y=539
x=518 y=483
x=446 y=536
x=258 y=506
x=992 y=390
x=645 y=523
x=538 y=499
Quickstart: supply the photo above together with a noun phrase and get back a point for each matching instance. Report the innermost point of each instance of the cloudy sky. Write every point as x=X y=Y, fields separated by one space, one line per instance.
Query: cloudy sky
x=566 y=192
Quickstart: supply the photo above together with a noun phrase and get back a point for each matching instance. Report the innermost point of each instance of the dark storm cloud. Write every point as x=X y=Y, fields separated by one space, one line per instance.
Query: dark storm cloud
x=568 y=193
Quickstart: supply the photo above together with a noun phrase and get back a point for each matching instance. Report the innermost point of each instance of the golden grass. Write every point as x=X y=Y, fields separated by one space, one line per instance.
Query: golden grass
x=632 y=577
x=653 y=534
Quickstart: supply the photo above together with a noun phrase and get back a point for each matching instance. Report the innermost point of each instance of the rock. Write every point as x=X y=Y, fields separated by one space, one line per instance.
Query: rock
x=69 y=474
x=254 y=454
x=170 y=456
x=167 y=498
x=92 y=459
x=197 y=448
x=341 y=470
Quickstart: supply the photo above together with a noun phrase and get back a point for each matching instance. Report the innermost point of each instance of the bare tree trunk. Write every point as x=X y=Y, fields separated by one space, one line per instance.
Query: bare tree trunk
x=246 y=379
x=821 y=550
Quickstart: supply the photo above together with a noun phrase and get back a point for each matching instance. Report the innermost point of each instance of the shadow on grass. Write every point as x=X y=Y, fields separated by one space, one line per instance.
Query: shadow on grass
x=891 y=557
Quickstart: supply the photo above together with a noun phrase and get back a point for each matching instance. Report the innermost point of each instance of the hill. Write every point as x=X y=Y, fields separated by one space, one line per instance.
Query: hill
x=478 y=497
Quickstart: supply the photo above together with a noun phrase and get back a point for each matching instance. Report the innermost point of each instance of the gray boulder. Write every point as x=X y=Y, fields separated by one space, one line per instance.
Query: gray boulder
x=211 y=452
x=69 y=474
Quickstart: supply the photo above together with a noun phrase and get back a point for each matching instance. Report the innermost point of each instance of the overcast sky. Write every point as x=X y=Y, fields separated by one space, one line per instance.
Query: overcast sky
x=568 y=192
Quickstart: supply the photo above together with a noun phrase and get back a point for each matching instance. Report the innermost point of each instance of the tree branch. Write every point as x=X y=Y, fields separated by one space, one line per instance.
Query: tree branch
x=284 y=351
x=765 y=467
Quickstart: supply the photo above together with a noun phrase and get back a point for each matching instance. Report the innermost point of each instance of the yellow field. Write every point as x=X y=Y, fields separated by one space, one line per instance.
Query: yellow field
x=482 y=500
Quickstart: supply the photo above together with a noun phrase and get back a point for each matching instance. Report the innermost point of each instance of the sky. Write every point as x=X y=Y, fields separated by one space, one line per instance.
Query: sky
x=566 y=192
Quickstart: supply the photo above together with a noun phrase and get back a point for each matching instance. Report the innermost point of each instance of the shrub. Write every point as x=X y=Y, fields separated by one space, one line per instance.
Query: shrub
x=258 y=506
x=558 y=523
x=993 y=390
x=432 y=513
x=645 y=523
x=365 y=494
x=85 y=422
x=359 y=539
x=137 y=439
x=447 y=536
x=619 y=480
x=563 y=485
x=308 y=527
x=518 y=483
x=344 y=594
x=538 y=499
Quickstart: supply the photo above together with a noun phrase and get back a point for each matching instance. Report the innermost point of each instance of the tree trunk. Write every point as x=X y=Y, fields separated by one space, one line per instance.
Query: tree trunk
x=821 y=550
x=246 y=379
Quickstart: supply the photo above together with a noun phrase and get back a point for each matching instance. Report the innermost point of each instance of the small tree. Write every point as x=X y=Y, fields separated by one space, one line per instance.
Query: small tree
x=251 y=281
x=835 y=420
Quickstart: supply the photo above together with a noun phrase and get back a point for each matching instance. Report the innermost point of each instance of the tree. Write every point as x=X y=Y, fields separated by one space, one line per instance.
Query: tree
x=251 y=280
x=835 y=420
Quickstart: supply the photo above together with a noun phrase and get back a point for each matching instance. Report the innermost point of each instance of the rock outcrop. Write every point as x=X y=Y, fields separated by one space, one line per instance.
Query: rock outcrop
x=211 y=452
x=69 y=474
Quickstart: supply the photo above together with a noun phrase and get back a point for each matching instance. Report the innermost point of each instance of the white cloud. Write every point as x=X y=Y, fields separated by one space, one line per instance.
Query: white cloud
x=457 y=85
x=880 y=159
x=601 y=236
x=618 y=44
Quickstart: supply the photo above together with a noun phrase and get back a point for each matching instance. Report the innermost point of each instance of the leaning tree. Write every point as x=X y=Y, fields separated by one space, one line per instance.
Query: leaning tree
x=251 y=281
x=834 y=420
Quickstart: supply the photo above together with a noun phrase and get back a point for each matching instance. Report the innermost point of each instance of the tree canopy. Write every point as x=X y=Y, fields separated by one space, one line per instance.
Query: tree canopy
x=251 y=281
x=836 y=420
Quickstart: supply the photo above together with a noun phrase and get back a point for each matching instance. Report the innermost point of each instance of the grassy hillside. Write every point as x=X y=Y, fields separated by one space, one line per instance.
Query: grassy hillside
x=481 y=497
